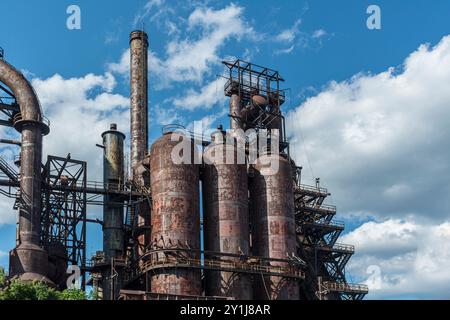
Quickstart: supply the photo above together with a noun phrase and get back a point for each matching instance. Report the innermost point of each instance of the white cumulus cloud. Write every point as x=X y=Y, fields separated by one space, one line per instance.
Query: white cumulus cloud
x=405 y=259
x=208 y=96
x=192 y=57
x=378 y=142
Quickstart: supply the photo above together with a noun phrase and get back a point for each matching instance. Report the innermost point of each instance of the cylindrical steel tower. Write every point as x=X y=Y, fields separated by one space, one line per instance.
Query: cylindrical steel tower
x=139 y=98
x=225 y=207
x=139 y=127
x=113 y=175
x=273 y=222
x=175 y=214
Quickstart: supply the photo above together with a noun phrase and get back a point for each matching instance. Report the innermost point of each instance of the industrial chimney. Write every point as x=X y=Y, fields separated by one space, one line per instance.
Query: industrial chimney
x=139 y=128
x=139 y=98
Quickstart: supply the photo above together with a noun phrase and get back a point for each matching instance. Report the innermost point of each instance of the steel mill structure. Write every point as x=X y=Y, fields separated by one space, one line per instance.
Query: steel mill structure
x=223 y=217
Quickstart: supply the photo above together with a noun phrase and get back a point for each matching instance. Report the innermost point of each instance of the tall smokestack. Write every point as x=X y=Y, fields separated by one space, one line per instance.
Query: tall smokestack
x=139 y=97
x=139 y=129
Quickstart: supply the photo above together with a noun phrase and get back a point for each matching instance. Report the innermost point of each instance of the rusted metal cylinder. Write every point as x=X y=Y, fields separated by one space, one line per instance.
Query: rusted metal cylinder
x=275 y=122
x=113 y=175
x=273 y=223
x=28 y=260
x=226 y=220
x=235 y=112
x=139 y=126
x=113 y=236
x=138 y=95
x=175 y=213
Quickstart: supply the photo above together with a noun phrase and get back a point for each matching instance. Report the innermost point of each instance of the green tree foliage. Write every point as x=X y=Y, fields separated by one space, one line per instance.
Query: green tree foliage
x=71 y=294
x=2 y=277
x=36 y=290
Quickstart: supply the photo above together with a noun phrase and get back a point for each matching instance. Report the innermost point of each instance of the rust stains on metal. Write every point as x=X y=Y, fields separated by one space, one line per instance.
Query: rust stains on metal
x=175 y=214
x=138 y=95
x=139 y=127
x=273 y=223
x=235 y=112
x=226 y=221
x=28 y=260
x=113 y=175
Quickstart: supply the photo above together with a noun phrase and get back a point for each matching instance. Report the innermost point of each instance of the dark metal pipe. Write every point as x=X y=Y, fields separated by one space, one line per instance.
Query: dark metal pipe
x=113 y=238
x=235 y=112
x=113 y=173
x=8 y=141
x=28 y=260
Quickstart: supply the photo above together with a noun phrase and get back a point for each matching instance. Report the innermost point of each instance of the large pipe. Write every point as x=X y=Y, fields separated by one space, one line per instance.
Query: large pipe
x=139 y=128
x=28 y=260
x=235 y=112
x=113 y=175
x=139 y=98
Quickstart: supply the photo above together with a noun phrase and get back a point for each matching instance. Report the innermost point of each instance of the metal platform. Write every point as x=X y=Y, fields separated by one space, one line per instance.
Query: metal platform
x=153 y=260
x=143 y=295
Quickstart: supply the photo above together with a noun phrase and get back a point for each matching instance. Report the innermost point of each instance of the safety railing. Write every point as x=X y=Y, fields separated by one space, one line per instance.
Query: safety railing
x=328 y=209
x=142 y=295
x=304 y=187
x=345 y=287
x=97 y=261
x=178 y=128
x=96 y=187
x=44 y=120
x=338 y=247
x=246 y=84
x=344 y=247
x=331 y=223
x=186 y=258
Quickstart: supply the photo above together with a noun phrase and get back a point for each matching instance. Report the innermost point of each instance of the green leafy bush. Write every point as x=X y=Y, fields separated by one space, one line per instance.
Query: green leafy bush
x=36 y=290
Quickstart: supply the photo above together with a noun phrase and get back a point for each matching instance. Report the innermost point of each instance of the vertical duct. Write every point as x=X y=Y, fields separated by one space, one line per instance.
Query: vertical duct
x=113 y=175
x=28 y=259
x=235 y=112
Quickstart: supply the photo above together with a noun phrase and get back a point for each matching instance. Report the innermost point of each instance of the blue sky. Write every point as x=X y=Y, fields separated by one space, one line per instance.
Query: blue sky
x=342 y=102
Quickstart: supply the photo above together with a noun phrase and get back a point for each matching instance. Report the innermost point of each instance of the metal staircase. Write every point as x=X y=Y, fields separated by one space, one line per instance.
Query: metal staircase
x=317 y=235
x=9 y=171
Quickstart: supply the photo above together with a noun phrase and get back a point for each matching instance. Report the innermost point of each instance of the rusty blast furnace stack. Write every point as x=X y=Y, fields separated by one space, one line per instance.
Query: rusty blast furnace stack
x=225 y=212
x=248 y=242
x=175 y=218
